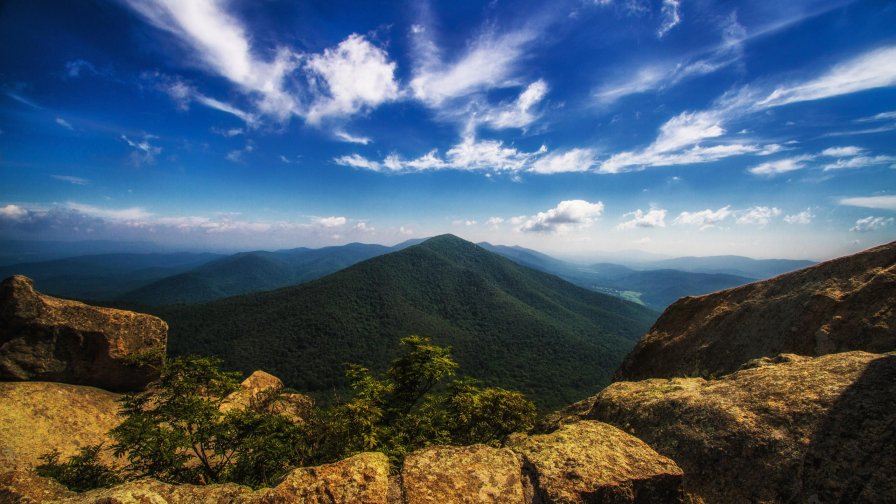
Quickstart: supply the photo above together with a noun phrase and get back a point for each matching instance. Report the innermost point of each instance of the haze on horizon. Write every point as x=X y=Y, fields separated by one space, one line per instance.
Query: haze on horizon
x=676 y=127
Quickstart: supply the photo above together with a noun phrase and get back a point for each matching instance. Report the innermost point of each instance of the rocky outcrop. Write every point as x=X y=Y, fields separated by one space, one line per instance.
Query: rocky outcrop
x=36 y=417
x=363 y=479
x=789 y=429
x=594 y=462
x=456 y=474
x=264 y=391
x=49 y=339
x=21 y=486
x=840 y=305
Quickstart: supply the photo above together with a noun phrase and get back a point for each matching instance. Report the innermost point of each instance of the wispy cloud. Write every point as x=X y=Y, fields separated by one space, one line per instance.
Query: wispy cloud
x=671 y=17
x=65 y=124
x=780 y=166
x=870 y=70
x=760 y=215
x=803 y=218
x=348 y=137
x=572 y=160
x=21 y=99
x=519 y=113
x=143 y=151
x=71 y=179
x=880 y=202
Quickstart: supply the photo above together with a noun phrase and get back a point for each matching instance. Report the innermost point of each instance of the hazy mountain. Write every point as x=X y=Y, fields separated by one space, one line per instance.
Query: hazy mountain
x=509 y=325
x=656 y=288
x=258 y=271
x=22 y=251
x=103 y=276
x=731 y=265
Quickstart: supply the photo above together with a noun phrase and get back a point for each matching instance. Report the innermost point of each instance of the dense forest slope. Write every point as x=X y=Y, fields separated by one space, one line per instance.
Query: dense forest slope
x=836 y=306
x=508 y=325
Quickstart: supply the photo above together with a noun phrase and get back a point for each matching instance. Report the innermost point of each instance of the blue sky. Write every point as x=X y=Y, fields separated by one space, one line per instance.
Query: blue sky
x=681 y=127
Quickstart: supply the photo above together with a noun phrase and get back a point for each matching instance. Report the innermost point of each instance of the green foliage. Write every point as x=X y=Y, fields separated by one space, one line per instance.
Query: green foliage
x=401 y=412
x=80 y=472
x=175 y=431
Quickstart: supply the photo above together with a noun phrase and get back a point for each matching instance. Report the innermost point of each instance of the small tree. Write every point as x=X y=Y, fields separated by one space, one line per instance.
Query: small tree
x=175 y=430
x=80 y=472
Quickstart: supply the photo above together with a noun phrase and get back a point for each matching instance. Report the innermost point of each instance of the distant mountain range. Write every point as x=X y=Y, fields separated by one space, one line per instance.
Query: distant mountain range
x=508 y=325
x=175 y=278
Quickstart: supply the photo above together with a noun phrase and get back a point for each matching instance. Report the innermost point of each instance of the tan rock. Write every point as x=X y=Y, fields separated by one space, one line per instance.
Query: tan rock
x=252 y=389
x=49 y=339
x=791 y=429
x=840 y=305
x=592 y=461
x=463 y=474
x=153 y=491
x=25 y=487
x=36 y=417
x=361 y=479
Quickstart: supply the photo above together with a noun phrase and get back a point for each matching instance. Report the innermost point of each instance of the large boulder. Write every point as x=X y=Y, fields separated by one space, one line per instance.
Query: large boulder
x=462 y=474
x=36 y=417
x=23 y=486
x=840 y=305
x=787 y=429
x=361 y=479
x=591 y=461
x=49 y=339
x=264 y=391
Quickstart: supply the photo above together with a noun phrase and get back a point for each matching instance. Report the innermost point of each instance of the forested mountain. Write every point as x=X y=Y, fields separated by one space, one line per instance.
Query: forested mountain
x=104 y=276
x=508 y=325
x=732 y=265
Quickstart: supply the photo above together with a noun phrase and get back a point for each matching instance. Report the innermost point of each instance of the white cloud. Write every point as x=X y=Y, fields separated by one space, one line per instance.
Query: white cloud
x=871 y=223
x=779 y=166
x=495 y=222
x=73 y=68
x=655 y=217
x=880 y=202
x=492 y=155
x=567 y=214
x=331 y=222
x=870 y=70
x=65 y=124
x=358 y=161
x=850 y=150
x=860 y=162
x=883 y=116
x=348 y=137
x=237 y=155
x=572 y=160
x=705 y=219
x=489 y=62
x=804 y=217
x=760 y=215
x=671 y=17
x=229 y=132
x=12 y=212
x=121 y=214
x=349 y=78
x=71 y=179
x=518 y=114
x=144 y=152
x=364 y=227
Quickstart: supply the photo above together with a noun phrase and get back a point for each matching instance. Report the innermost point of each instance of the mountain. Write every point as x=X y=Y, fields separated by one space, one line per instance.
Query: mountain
x=104 y=276
x=21 y=251
x=509 y=325
x=730 y=265
x=258 y=271
x=655 y=288
x=836 y=306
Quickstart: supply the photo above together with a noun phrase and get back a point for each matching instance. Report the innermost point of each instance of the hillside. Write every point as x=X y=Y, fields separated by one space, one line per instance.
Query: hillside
x=508 y=325
x=730 y=265
x=836 y=306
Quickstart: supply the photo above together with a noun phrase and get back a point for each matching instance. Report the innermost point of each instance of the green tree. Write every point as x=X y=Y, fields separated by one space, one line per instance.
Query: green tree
x=80 y=472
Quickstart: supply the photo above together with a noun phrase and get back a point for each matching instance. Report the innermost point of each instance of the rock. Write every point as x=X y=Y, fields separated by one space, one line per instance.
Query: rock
x=263 y=391
x=252 y=390
x=463 y=474
x=840 y=305
x=153 y=491
x=43 y=338
x=592 y=461
x=36 y=417
x=361 y=479
x=25 y=487
x=792 y=429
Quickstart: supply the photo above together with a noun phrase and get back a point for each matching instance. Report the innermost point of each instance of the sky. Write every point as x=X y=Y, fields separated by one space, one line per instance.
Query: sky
x=580 y=127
